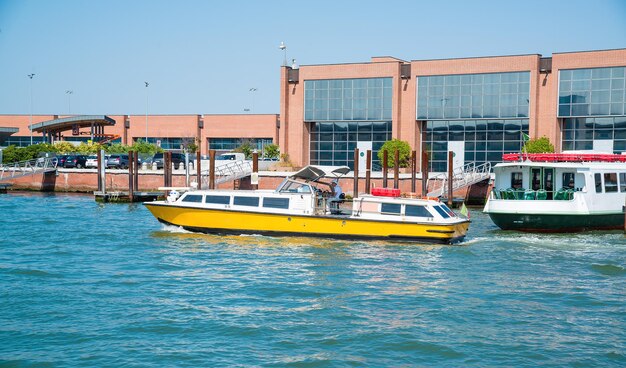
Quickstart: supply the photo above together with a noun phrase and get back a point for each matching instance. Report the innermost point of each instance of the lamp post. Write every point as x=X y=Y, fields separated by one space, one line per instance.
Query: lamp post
x=284 y=48
x=31 y=107
x=69 y=101
x=147 y=84
x=252 y=90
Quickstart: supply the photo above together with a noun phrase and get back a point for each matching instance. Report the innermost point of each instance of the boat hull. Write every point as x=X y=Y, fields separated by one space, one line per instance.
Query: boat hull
x=217 y=221
x=557 y=223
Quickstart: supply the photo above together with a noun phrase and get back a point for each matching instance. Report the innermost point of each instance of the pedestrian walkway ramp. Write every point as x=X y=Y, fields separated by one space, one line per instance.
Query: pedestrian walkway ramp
x=25 y=168
x=229 y=171
x=462 y=177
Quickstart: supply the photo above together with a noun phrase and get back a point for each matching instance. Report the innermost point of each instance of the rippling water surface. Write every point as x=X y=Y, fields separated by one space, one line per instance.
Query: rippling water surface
x=83 y=284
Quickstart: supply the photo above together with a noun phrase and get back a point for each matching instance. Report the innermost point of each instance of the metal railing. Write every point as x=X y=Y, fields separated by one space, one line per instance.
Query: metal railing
x=29 y=167
x=230 y=171
x=461 y=177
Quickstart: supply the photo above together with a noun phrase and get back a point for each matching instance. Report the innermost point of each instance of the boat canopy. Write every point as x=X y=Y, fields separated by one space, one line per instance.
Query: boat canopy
x=314 y=173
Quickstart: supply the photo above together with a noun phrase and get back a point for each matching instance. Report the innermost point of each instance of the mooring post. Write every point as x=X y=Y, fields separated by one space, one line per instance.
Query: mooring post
x=413 y=169
x=255 y=170
x=199 y=169
x=385 y=167
x=450 y=163
x=131 y=162
x=136 y=172
x=355 y=189
x=211 y=169
x=99 y=167
x=424 y=173
x=165 y=164
x=396 y=170
x=368 y=171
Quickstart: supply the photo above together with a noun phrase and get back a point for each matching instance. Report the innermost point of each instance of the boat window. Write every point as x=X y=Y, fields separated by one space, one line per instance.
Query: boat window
x=441 y=211
x=295 y=187
x=536 y=179
x=568 y=180
x=417 y=211
x=390 y=208
x=246 y=201
x=622 y=182
x=610 y=182
x=598 y=179
x=448 y=210
x=276 y=203
x=516 y=180
x=215 y=199
x=194 y=198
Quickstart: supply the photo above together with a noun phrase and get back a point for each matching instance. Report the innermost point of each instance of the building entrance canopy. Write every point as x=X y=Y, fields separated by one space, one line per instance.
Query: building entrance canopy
x=54 y=128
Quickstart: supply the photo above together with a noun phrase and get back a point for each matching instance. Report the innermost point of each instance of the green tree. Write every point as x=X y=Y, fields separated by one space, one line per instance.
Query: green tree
x=404 y=150
x=539 y=145
x=246 y=148
x=272 y=151
x=147 y=149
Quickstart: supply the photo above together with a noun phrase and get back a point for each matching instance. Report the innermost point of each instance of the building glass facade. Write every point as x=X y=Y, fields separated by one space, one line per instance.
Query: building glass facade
x=592 y=92
x=592 y=106
x=579 y=134
x=343 y=112
x=229 y=144
x=478 y=116
x=333 y=143
x=20 y=141
x=473 y=96
x=482 y=140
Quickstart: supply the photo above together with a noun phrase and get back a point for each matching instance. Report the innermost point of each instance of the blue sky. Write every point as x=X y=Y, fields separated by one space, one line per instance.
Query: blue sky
x=203 y=57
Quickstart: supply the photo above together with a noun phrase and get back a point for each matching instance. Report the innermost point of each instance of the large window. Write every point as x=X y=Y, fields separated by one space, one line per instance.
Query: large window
x=168 y=143
x=467 y=96
x=579 y=134
x=229 y=144
x=20 y=141
x=333 y=143
x=592 y=92
x=483 y=140
x=366 y=99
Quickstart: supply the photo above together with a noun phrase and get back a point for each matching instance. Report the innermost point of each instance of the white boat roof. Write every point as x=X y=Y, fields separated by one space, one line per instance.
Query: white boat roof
x=575 y=165
x=314 y=172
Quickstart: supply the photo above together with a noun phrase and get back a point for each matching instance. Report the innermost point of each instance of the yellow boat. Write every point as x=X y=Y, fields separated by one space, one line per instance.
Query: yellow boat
x=302 y=205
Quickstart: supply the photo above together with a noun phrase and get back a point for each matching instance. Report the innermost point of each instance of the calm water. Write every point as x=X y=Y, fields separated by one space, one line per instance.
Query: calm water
x=83 y=284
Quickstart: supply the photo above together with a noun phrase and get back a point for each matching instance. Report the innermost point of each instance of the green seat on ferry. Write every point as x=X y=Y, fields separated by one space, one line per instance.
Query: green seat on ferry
x=519 y=193
x=510 y=193
x=529 y=195
x=542 y=195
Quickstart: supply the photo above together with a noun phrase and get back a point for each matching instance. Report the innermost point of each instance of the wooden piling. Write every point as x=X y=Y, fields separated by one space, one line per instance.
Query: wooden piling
x=424 y=173
x=368 y=171
x=199 y=169
x=136 y=171
x=396 y=170
x=450 y=163
x=355 y=190
x=385 y=167
x=413 y=169
x=211 y=169
x=99 y=168
x=255 y=168
x=131 y=176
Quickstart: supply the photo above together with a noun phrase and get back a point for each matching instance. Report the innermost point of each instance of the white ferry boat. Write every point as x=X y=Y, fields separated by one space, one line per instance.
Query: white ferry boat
x=302 y=205
x=558 y=192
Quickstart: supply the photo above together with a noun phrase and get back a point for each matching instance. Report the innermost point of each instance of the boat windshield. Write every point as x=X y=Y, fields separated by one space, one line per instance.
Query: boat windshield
x=295 y=187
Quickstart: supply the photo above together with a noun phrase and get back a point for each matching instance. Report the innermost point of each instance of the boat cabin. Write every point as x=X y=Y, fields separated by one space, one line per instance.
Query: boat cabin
x=559 y=178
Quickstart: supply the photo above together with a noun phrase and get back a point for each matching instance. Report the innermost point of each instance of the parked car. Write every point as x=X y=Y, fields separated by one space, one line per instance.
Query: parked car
x=77 y=161
x=117 y=161
x=61 y=160
x=177 y=158
x=92 y=161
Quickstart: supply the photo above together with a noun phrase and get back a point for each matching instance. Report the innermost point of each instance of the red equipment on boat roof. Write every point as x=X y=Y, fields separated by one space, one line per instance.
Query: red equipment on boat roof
x=563 y=157
x=386 y=192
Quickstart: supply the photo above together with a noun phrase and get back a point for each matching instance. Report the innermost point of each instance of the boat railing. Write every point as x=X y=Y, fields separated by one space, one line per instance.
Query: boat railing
x=563 y=194
x=462 y=176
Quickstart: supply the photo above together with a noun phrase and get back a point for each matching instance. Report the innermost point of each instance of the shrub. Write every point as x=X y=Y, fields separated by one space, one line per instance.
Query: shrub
x=272 y=151
x=539 y=145
x=391 y=146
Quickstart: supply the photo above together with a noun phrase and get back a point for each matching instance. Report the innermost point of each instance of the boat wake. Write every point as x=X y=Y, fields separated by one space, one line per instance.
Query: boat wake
x=175 y=229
